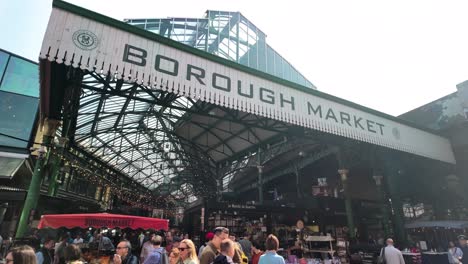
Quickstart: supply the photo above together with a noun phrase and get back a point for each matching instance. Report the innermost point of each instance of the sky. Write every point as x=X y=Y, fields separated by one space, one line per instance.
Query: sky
x=391 y=56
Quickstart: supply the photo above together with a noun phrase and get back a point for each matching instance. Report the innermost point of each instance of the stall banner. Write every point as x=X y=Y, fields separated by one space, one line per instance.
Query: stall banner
x=93 y=42
x=102 y=220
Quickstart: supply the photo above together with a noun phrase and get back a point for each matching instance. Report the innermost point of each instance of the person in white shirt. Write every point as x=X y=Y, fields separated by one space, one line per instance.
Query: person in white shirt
x=455 y=254
x=78 y=239
x=146 y=248
x=391 y=254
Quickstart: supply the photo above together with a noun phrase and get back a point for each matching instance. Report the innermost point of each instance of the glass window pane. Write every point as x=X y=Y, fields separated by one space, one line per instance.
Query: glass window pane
x=21 y=77
x=18 y=114
x=8 y=166
x=3 y=61
x=270 y=61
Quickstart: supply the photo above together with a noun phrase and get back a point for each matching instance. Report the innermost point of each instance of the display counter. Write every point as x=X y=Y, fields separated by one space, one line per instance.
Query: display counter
x=435 y=258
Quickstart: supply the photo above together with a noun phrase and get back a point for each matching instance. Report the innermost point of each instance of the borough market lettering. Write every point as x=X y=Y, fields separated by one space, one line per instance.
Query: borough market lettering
x=138 y=56
x=108 y=222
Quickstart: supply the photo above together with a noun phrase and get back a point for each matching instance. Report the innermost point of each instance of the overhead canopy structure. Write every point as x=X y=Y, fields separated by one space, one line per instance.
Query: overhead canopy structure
x=102 y=220
x=159 y=111
x=438 y=224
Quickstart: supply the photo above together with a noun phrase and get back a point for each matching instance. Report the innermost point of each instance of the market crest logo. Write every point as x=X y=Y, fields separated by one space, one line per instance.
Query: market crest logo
x=85 y=40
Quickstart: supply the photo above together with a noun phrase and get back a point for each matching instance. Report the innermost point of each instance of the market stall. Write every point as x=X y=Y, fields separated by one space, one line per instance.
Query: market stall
x=104 y=222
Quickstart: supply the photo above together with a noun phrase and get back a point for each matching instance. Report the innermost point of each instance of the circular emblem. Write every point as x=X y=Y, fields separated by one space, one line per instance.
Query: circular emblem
x=396 y=133
x=85 y=40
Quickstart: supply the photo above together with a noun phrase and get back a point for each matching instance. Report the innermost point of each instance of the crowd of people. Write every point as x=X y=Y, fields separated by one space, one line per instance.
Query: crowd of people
x=149 y=248
x=220 y=247
x=456 y=255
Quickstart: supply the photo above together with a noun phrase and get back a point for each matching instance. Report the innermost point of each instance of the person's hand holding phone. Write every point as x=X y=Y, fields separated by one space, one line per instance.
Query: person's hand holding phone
x=117 y=259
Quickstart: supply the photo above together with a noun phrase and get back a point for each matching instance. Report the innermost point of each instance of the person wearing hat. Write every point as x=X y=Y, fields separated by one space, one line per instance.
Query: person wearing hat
x=208 y=237
x=464 y=248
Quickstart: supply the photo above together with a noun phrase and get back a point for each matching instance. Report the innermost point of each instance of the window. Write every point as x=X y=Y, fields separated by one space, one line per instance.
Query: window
x=413 y=211
x=3 y=61
x=18 y=115
x=21 y=77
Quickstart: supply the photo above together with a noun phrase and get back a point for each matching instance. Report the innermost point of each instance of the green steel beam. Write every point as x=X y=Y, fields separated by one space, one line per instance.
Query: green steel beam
x=392 y=175
x=33 y=192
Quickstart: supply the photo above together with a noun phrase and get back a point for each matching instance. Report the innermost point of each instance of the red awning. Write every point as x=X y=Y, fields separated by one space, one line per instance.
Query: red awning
x=102 y=220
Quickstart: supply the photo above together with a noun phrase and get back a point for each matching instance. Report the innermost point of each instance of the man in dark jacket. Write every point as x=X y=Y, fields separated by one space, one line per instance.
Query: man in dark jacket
x=124 y=253
x=464 y=248
x=227 y=252
x=45 y=255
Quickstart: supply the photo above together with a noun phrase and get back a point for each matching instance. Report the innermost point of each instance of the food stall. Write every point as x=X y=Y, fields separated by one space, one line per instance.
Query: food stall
x=101 y=220
x=433 y=237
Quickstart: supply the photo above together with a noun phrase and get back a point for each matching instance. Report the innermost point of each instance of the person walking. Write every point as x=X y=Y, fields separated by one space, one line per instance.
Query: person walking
x=455 y=254
x=158 y=255
x=391 y=255
x=270 y=256
x=187 y=252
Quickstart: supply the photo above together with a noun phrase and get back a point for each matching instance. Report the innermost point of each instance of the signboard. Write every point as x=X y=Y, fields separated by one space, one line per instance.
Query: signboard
x=102 y=220
x=93 y=42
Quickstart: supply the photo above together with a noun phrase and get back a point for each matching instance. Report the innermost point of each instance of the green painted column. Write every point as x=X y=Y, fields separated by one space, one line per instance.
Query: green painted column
x=56 y=159
x=348 y=203
x=53 y=185
x=33 y=192
x=260 y=184
x=384 y=205
x=260 y=176
x=392 y=177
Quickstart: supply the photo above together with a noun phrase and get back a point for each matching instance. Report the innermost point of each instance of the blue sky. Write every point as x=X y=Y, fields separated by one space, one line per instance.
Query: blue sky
x=391 y=56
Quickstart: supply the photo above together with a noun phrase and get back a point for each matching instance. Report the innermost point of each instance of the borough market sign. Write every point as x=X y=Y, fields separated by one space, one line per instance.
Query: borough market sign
x=90 y=41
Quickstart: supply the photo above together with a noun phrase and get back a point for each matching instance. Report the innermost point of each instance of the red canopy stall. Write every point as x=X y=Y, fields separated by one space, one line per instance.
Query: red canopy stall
x=102 y=220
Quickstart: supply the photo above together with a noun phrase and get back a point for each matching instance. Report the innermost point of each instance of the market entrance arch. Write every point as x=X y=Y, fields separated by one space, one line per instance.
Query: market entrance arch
x=141 y=112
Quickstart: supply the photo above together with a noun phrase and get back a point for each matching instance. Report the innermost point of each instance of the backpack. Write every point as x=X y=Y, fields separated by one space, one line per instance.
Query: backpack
x=164 y=258
x=381 y=258
x=244 y=258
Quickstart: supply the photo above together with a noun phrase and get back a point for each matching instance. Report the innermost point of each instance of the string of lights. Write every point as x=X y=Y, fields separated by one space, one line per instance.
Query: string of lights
x=124 y=190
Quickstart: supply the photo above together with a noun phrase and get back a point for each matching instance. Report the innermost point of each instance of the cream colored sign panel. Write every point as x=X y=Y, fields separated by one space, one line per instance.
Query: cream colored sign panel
x=84 y=43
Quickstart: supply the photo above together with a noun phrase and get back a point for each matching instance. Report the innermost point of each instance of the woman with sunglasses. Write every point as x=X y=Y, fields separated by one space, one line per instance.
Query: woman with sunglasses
x=21 y=255
x=187 y=252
